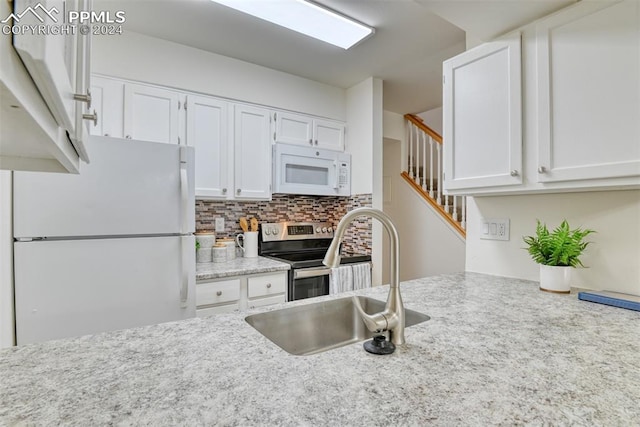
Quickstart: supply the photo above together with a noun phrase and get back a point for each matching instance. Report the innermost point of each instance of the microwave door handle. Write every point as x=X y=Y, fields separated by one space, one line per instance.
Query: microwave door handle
x=336 y=175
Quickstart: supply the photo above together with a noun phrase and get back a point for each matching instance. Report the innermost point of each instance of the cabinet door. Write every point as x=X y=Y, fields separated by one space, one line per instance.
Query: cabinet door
x=107 y=99
x=207 y=132
x=252 y=147
x=589 y=92
x=151 y=113
x=482 y=116
x=268 y=285
x=212 y=293
x=328 y=134
x=293 y=128
x=52 y=61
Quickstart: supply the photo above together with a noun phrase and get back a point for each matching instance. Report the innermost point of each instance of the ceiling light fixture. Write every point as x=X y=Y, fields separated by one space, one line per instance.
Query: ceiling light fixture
x=306 y=18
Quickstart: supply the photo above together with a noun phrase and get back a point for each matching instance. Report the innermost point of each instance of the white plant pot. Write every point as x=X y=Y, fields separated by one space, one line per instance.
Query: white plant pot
x=555 y=279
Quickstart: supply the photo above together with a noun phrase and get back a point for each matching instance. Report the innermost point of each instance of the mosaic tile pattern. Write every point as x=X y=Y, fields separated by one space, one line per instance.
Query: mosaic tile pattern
x=286 y=207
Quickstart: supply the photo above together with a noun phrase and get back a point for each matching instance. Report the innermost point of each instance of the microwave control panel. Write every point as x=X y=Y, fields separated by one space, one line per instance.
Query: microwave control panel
x=343 y=175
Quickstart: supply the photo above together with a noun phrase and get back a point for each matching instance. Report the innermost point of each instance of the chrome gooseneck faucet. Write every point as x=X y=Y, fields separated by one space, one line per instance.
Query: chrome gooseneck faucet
x=392 y=318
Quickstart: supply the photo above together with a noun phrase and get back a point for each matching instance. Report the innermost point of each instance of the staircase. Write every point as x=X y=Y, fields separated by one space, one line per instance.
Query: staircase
x=424 y=172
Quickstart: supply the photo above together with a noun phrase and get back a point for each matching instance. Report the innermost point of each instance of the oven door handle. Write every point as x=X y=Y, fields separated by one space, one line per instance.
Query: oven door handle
x=311 y=272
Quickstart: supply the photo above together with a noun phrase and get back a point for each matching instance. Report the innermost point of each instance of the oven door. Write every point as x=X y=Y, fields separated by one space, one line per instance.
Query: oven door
x=309 y=282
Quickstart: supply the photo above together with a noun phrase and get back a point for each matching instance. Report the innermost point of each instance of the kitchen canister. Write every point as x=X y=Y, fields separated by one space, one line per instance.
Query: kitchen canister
x=206 y=239
x=219 y=253
x=231 y=248
x=203 y=255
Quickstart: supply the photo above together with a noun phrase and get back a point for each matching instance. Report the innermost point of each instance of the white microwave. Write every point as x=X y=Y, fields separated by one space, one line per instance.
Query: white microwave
x=310 y=171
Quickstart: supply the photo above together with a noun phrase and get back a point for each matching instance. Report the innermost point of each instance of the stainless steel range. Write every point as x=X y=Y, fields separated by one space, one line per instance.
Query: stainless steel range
x=303 y=245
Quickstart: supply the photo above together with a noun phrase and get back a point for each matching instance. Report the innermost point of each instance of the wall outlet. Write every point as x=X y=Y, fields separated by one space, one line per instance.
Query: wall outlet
x=219 y=225
x=495 y=229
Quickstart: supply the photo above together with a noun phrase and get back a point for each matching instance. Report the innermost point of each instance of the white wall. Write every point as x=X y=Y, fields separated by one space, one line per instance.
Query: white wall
x=148 y=59
x=364 y=142
x=612 y=258
x=428 y=244
x=6 y=262
x=433 y=119
x=393 y=125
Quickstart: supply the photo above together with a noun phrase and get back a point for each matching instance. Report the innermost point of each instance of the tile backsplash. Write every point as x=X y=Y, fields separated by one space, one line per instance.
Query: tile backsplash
x=285 y=207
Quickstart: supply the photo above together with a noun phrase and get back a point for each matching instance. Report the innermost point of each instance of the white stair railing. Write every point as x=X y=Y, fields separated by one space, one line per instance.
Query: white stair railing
x=425 y=170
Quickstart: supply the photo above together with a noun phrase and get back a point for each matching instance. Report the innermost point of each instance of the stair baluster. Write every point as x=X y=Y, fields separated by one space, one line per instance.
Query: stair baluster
x=411 y=127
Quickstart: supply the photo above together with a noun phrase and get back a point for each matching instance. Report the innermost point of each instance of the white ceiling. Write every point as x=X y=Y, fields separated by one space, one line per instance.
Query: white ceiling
x=406 y=51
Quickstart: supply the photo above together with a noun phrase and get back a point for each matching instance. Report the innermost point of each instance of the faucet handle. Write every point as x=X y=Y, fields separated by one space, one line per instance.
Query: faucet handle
x=374 y=322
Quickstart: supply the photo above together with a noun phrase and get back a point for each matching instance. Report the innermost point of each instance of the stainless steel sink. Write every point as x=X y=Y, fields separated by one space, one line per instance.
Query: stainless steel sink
x=314 y=328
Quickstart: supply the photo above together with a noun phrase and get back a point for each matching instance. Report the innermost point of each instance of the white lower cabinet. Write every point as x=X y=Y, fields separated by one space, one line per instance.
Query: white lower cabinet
x=240 y=293
x=266 y=290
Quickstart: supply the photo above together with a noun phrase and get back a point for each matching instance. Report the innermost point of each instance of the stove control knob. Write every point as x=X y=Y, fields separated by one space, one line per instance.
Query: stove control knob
x=275 y=231
x=267 y=231
x=324 y=229
x=317 y=229
x=329 y=229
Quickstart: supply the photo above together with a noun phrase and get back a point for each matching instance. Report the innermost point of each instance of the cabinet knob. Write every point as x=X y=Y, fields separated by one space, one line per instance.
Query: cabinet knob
x=219 y=293
x=93 y=117
x=514 y=173
x=128 y=136
x=311 y=142
x=224 y=191
x=542 y=169
x=84 y=98
x=239 y=190
x=316 y=142
x=107 y=134
x=268 y=285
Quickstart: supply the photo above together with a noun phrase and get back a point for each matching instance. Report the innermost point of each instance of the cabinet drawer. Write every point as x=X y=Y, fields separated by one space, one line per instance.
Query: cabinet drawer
x=210 y=311
x=272 y=284
x=217 y=292
x=262 y=302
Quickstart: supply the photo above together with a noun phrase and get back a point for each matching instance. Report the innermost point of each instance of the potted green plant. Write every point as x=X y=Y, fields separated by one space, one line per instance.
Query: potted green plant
x=557 y=252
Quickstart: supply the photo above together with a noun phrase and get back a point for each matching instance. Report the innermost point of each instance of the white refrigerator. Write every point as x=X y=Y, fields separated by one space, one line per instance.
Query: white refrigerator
x=108 y=249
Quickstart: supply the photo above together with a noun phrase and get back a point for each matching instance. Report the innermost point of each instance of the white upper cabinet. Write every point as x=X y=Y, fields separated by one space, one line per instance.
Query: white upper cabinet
x=299 y=129
x=44 y=129
x=482 y=116
x=108 y=101
x=293 y=128
x=252 y=146
x=151 y=113
x=589 y=93
x=328 y=134
x=580 y=106
x=207 y=124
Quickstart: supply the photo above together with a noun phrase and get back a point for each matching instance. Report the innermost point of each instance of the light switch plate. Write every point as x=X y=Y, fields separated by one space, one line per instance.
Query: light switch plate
x=219 y=225
x=495 y=229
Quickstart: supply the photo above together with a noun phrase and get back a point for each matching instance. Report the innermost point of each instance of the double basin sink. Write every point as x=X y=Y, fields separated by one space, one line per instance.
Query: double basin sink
x=313 y=328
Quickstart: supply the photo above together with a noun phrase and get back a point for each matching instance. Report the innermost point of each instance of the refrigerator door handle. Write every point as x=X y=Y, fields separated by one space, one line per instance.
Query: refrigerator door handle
x=184 y=190
x=184 y=280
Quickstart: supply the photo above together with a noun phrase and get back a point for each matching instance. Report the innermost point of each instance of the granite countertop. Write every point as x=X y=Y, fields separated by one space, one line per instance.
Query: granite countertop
x=496 y=351
x=237 y=267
